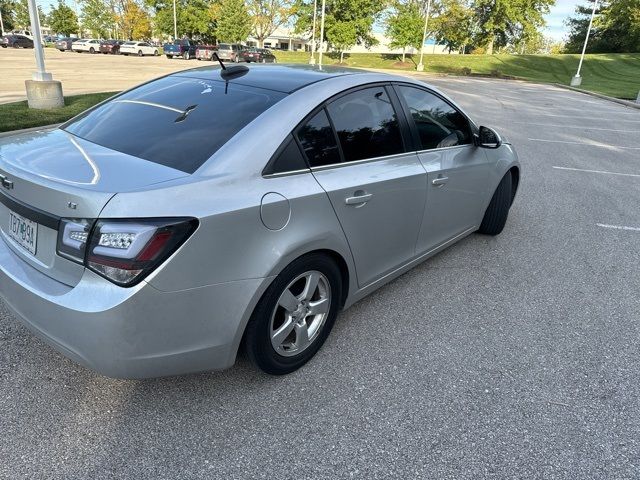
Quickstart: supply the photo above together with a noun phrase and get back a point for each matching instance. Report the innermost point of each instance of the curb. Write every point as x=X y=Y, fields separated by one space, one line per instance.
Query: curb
x=27 y=130
x=627 y=103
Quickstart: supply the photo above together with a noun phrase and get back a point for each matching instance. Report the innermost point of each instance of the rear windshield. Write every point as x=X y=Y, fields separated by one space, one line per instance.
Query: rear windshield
x=174 y=121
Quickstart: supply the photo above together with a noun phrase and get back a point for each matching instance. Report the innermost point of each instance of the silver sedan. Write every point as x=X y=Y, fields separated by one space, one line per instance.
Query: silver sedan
x=159 y=231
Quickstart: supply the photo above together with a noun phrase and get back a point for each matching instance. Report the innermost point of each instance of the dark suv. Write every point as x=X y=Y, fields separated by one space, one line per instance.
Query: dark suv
x=16 y=41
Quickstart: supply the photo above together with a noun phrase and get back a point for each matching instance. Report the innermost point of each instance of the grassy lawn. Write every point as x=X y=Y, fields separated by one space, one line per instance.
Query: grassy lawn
x=617 y=75
x=14 y=116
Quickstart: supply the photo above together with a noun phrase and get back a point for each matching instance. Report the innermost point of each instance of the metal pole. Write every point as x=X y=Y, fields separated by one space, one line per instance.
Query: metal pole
x=420 y=66
x=577 y=80
x=1 y=23
x=175 y=21
x=312 y=60
x=321 y=34
x=40 y=74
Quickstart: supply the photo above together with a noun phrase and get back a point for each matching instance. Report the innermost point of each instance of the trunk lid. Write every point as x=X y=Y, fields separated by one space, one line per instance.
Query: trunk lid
x=52 y=174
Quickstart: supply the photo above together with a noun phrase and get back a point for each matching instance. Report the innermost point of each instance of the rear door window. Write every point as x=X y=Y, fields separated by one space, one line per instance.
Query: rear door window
x=174 y=121
x=318 y=141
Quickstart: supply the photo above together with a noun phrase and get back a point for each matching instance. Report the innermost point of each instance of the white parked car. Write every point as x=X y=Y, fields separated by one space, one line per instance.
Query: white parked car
x=90 y=45
x=138 y=48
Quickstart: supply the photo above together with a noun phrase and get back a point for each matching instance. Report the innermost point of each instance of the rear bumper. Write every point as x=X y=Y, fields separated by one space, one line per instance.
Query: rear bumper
x=137 y=332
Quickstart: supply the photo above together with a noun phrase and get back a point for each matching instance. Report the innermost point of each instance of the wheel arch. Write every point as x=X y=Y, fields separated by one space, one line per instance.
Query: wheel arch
x=515 y=181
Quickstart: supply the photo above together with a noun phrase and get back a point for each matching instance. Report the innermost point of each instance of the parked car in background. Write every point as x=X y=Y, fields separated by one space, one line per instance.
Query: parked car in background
x=110 y=46
x=138 y=48
x=64 y=44
x=205 y=52
x=230 y=52
x=16 y=41
x=258 y=55
x=184 y=48
x=90 y=45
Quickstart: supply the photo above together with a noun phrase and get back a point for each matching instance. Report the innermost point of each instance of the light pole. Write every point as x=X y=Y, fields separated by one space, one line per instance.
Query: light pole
x=175 y=21
x=42 y=91
x=420 y=66
x=321 y=34
x=577 y=80
x=1 y=24
x=312 y=60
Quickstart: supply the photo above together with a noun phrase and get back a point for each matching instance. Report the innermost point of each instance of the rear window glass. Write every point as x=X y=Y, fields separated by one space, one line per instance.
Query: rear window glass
x=174 y=121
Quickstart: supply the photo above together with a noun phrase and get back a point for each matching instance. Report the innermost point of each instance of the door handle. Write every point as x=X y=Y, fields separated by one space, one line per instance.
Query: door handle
x=438 y=182
x=358 y=199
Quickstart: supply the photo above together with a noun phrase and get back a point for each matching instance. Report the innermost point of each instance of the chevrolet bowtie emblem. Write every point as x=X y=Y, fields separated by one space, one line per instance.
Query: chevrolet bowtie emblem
x=6 y=183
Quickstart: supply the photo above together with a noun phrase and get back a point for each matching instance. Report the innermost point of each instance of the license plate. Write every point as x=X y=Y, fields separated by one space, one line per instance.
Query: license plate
x=24 y=232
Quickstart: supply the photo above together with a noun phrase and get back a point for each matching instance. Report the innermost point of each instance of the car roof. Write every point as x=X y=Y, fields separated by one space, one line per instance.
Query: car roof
x=281 y=78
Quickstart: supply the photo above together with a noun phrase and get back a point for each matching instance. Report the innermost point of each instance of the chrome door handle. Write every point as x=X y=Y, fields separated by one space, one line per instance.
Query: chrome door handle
x=438 y=182
x=358 y=199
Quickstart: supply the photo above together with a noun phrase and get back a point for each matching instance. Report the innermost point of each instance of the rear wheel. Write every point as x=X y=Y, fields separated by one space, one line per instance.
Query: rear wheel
x=295 y=315
x=186 y=55
x=156 y=53
x=169 y=57
x=140 y=54
x=497 y=212
x=92 y=50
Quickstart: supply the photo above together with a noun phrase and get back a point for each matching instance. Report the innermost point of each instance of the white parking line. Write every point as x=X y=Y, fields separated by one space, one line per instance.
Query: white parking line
x=596 y=171
x=587 y=144
x=577 y=126
x=618 y=227
x=598 y=118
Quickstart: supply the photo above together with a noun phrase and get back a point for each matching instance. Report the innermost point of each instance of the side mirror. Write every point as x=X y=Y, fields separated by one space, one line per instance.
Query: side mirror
x=488 y=138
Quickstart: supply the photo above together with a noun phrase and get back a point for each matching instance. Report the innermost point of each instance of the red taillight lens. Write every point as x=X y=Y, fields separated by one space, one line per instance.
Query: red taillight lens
x=126 y=251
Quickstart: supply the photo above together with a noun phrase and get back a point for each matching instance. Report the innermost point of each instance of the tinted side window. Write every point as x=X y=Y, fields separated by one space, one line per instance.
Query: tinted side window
x=366 y=124
x=438 y=123
x=318 y=142
x=288 y=158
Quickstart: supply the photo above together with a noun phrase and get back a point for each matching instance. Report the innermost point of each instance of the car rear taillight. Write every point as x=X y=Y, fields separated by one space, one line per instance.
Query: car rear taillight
x=123 y=251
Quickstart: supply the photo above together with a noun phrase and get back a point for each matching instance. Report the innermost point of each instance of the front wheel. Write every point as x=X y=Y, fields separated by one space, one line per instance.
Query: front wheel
x=495 y=217
x=295 y=315
x=156 y=53
x=186 y=56
x=169 y=57
x=140 y=54
x=92 y=51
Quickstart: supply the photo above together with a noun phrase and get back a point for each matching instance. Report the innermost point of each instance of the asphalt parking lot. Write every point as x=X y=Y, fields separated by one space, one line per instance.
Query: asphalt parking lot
x=508 y=357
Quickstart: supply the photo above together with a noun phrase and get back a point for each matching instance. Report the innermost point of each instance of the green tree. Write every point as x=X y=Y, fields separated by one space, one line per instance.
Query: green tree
x=404 y=26
x=21 y=14
x=500 y=21
x=195 y=18
x=234 y=24
x=98 y=17
x=7 y=13
x=133 y=20
x=342 y=36
x=267 y=16
x=62 y=19
x=454 y=25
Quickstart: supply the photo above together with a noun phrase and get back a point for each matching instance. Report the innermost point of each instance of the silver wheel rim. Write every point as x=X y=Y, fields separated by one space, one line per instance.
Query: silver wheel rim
x=300 y=314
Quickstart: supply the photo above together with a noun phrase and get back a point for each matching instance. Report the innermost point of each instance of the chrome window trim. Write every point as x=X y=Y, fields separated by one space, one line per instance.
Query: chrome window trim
x=359 y=162
x=287 y=174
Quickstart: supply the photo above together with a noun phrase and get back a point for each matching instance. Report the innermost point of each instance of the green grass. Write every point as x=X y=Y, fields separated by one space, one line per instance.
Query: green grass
x=616 y=75
x=14 y=116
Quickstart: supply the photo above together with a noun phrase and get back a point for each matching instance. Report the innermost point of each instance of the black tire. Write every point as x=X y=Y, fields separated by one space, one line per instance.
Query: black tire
x=140 y=54
x=257 y=338
x=156 y=53
x=186 y=55
x=92 y=51
x=498 y=210
x=169 y=57
x=15 y=45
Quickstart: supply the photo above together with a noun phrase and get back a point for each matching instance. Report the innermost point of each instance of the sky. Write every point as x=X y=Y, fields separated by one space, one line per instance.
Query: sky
x=555 y=19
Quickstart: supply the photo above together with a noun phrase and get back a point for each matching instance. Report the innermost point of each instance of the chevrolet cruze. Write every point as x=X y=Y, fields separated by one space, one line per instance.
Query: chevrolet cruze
x=213 y=209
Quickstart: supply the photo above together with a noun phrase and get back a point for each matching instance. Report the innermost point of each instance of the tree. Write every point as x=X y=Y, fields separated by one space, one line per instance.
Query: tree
x=405 y=25
x=267 y=16
x=234 y=24
x=454 y=25
x=195 y=18
x=6 y=11
x=342 y=36
x=133 y=20
x=499 y=21
x=62 y=19
x=21 y=15
x=98 y=17
x=360 y=13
